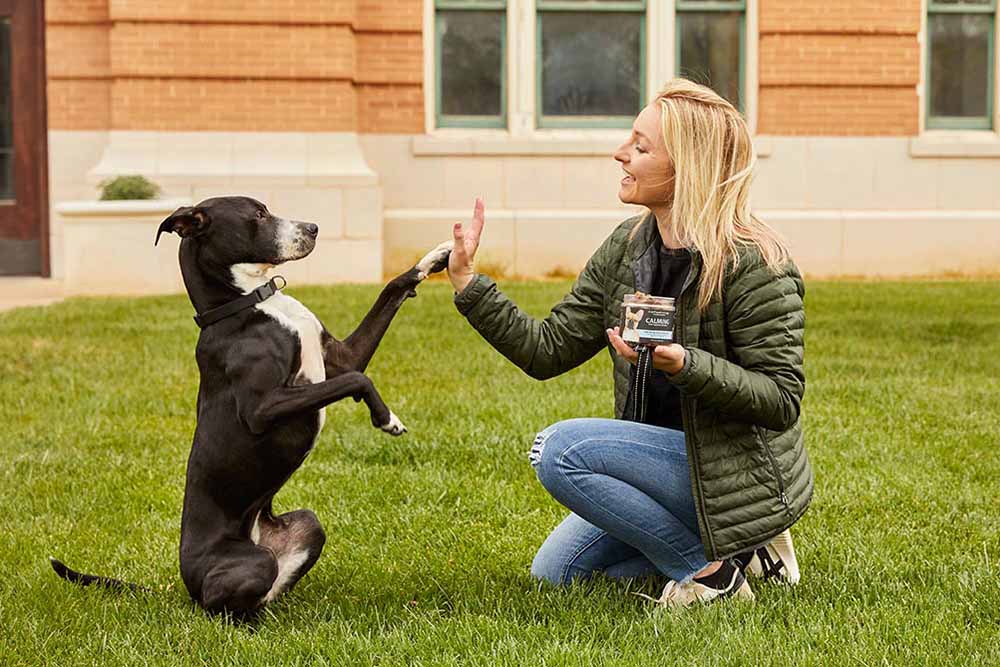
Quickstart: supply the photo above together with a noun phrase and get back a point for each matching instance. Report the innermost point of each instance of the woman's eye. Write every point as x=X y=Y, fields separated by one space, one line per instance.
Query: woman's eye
x=639 y=148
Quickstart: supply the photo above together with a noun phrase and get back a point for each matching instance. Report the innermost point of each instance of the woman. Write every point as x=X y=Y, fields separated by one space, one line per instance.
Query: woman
x=705 y=464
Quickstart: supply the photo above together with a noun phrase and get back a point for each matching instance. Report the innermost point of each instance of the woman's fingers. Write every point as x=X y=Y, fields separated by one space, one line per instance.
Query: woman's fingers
x=478 y=220
x=669 y=358
x=621 y=347
x=466 y=243
x=458 y=235
x=459 y=259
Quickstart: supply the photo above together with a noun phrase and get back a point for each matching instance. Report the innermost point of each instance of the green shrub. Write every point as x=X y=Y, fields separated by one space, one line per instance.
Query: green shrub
x=128 y=187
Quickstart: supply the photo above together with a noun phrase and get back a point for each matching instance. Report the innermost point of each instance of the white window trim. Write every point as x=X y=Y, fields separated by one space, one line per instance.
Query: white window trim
x=954 y=143
x=521 y=137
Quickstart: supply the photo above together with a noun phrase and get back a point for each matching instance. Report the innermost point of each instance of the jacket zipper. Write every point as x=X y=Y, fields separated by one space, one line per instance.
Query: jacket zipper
x=774 y=465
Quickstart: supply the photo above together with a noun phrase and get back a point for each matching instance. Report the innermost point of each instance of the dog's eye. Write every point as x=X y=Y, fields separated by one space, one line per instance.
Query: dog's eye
x=260 y=214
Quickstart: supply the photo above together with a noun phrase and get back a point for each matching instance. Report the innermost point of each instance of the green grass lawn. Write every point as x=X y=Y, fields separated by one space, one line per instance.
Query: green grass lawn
x=430 y=536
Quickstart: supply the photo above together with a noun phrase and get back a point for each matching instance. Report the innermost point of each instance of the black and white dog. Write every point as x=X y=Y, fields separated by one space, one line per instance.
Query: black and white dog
x=268 y=368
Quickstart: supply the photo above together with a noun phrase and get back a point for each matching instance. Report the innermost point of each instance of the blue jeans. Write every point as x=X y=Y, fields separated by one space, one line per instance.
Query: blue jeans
x=629 y=490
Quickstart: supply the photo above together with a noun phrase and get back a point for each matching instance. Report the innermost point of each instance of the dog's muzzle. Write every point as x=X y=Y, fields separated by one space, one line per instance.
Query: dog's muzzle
x=296 y=239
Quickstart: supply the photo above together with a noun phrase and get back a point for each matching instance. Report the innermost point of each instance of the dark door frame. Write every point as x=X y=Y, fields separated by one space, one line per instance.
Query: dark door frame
x=30 y=119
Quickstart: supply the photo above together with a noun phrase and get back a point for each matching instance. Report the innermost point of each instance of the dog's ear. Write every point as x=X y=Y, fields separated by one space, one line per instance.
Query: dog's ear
x=185 y=221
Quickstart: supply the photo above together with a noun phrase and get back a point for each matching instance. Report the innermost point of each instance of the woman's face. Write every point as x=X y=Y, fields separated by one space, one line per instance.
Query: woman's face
x=649 y=171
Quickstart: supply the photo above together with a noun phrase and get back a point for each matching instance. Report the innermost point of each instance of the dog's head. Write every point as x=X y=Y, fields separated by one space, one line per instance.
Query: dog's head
x=238 y=235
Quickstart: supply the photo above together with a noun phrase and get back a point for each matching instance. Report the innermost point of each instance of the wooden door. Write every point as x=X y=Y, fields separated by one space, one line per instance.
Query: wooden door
x=24 y=229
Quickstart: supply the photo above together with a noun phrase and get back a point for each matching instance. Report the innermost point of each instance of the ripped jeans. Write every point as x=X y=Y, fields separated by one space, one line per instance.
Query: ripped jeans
x=629 y=491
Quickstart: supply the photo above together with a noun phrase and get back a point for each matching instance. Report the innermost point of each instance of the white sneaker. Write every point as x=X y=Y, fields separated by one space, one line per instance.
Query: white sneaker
x=775 y=560
x=676 y=595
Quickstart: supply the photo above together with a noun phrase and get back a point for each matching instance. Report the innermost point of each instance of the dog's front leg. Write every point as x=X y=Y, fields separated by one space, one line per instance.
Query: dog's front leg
x=260 y=409
x=358 y=348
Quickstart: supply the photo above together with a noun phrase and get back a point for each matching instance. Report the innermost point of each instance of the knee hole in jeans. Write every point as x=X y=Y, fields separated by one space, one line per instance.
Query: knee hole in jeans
x=538 y=446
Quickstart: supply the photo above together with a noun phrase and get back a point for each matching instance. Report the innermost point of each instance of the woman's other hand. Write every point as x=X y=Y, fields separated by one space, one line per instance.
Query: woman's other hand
x=666 y=358
x=466 y=243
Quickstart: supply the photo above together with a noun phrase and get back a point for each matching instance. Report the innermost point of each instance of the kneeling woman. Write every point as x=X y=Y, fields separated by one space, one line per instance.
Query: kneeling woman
x=704 y=470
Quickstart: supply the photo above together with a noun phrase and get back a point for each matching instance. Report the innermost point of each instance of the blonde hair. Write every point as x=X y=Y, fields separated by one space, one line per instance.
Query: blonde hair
x=709 y=143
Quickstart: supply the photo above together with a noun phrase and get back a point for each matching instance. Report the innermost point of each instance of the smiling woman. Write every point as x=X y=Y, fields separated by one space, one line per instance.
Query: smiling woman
x=705 y=466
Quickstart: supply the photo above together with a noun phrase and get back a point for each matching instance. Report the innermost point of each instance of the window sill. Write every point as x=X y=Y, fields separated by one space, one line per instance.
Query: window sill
x=499 y=142
x=955 y=143
x=600 y=143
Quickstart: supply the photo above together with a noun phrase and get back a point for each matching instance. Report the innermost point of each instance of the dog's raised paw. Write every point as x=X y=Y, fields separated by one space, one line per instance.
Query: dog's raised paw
x=436 y=260
x=395 y=426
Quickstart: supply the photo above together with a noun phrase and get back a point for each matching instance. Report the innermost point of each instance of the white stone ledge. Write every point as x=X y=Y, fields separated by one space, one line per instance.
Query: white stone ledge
x=957 y=144
x=824 y=242
x=319 y=159
x=119 y=208
x=896 y=215
x=491 y=143
x=565 y=143
x=798 y=215
x=548 y=215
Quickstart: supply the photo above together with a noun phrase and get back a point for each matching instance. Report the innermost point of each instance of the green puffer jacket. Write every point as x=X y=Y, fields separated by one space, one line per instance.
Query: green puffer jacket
x=741 y=385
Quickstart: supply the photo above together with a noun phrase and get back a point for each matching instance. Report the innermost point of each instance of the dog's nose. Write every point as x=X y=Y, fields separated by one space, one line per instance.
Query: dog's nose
x=311 y=229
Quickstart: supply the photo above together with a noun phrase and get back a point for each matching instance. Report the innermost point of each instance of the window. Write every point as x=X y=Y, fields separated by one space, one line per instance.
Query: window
x=590 y=62
x=522 y=65
x=471 y=38
x=960 y=64
x=709 y=45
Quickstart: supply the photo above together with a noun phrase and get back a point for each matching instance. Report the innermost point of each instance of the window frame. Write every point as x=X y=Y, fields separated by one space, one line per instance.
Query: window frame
x=986 y=122
x=443 y=120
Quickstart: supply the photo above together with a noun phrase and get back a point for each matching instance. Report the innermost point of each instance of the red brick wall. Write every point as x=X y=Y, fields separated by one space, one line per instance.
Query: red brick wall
x=842 y=16
x=238 y=11
x=193 y=51
x=839 y=68
x=390 y=67
x=249 y=65
x=233 y=105
x=79 y=67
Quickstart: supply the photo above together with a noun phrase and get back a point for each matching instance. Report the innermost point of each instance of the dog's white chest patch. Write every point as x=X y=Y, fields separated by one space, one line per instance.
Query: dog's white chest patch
x=300 y=320
x=296 y=318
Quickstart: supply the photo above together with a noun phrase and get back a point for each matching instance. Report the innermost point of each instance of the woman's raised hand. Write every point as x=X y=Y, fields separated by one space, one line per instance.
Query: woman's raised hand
x=466 y=243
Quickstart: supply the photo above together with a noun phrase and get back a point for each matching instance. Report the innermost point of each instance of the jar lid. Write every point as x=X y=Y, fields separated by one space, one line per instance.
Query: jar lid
x=661 y=302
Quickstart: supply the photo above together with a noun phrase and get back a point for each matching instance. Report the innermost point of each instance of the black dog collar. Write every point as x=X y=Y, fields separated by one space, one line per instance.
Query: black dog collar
x=262 y=293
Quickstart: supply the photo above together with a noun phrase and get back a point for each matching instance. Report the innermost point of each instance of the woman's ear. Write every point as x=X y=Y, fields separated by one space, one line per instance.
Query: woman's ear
x=185 y=221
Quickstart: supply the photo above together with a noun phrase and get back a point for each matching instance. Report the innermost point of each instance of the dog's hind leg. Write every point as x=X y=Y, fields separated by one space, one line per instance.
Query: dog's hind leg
x=239 y=582
x=297 y=540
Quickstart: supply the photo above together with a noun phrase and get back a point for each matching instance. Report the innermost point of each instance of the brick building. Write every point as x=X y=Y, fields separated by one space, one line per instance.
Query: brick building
x=875 y=124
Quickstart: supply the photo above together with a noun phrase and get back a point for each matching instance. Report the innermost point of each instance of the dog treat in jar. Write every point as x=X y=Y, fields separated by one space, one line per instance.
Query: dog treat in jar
x=647 y=320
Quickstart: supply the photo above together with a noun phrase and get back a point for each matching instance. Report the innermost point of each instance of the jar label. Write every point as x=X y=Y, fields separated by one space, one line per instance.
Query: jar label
x=644 y=325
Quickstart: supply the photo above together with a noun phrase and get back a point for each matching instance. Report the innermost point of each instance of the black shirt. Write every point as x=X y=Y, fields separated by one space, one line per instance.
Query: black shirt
x=663 y=403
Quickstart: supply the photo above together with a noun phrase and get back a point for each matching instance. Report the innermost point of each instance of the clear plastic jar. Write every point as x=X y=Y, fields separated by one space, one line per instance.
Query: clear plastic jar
x=647 y=320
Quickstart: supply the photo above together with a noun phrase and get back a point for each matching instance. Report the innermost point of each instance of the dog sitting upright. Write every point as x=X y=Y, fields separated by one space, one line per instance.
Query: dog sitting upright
x=268 y=367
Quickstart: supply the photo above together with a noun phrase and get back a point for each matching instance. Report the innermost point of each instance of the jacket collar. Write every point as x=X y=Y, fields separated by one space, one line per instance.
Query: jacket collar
x=644 y=236
x=645 y=258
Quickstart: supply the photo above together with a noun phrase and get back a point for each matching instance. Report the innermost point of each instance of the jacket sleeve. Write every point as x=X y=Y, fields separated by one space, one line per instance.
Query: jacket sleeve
x=765 y=322
x=571 y=334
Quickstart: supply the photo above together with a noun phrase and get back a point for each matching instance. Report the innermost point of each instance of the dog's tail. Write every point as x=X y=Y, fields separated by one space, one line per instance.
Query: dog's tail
x=93 y=579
